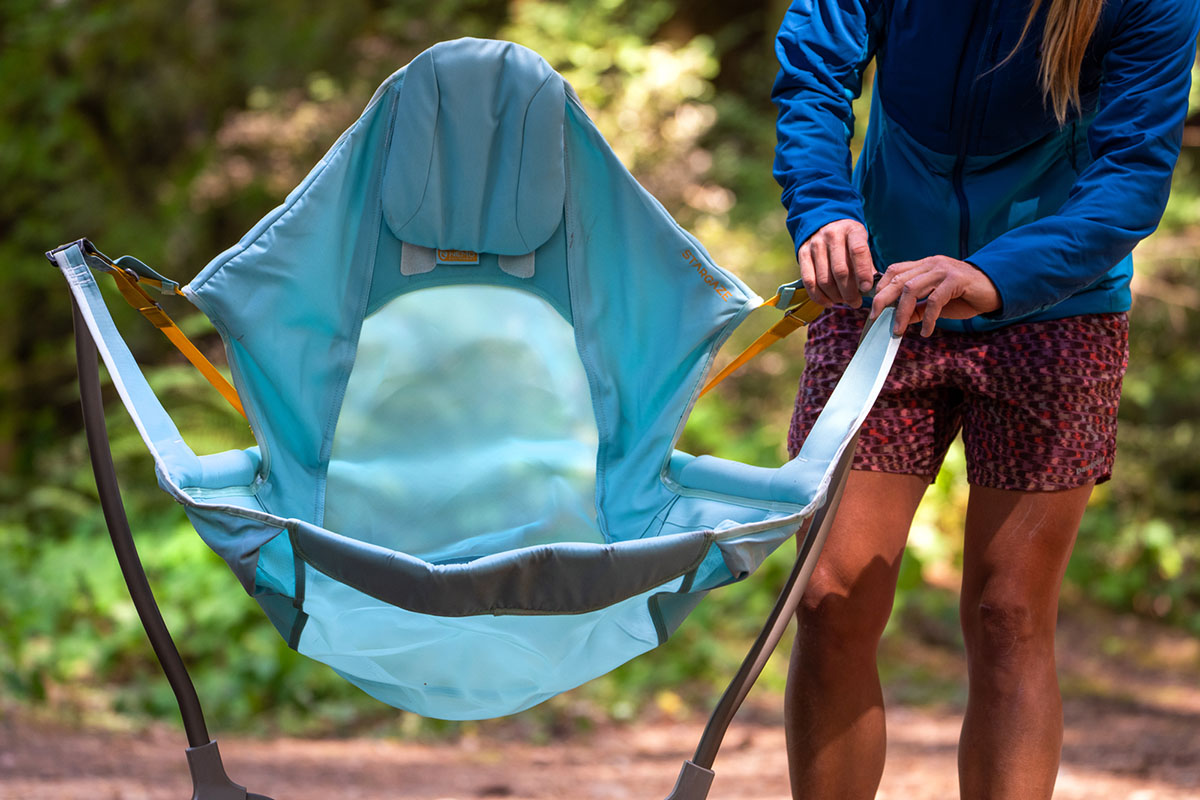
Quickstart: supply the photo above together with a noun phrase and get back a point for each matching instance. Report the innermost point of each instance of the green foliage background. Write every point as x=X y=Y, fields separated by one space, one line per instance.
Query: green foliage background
x=167 y=129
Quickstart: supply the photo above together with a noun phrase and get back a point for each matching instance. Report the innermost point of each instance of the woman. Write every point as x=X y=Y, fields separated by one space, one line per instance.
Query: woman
x=1015 y=155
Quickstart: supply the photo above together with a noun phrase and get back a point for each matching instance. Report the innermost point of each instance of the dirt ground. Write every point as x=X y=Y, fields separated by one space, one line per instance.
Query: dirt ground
x=1132 y=707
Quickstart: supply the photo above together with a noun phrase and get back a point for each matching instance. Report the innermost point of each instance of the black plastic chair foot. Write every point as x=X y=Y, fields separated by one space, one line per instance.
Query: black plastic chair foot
x=693 y=783
x=209 y=781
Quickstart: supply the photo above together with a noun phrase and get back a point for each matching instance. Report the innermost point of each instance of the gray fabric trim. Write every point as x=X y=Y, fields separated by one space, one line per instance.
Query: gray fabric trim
x=235 y=539
x=571 y=578
x=416 y=260
x=668 y=610
x=293 y=637
x=517 y=266
x=282 y=614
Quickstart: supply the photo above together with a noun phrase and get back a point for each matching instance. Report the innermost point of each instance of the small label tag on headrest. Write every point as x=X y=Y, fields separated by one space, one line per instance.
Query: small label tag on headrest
x=457 y=257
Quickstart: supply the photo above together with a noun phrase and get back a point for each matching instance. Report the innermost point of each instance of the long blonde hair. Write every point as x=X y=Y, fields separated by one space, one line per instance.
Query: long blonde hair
x=1069 y=27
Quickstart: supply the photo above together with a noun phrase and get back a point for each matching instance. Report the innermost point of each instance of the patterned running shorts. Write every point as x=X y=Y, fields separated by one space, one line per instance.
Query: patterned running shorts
x=1036 y=402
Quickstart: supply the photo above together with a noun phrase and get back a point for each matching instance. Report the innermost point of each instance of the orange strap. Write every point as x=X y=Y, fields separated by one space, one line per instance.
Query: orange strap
x=800 y=314
x=140 y=299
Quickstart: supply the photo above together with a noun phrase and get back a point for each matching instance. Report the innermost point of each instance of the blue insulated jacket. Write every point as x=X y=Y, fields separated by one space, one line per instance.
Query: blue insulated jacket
x=963 y=158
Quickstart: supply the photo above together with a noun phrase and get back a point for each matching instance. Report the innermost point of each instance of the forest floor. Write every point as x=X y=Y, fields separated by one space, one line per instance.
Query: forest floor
x=1132 y=710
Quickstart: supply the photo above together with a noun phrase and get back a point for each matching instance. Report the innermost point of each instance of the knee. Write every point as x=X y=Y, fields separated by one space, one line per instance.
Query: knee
x=844 y=613
x=1006 y=631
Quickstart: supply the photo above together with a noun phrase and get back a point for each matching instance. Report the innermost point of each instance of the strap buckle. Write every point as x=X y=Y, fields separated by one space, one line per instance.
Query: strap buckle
x=130 y=274
x=785 y=295
x=130 y=267
x=797 y=306
x=85 y=245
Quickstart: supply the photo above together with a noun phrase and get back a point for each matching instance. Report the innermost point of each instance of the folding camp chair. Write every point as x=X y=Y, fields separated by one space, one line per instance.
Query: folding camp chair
x=466 y=345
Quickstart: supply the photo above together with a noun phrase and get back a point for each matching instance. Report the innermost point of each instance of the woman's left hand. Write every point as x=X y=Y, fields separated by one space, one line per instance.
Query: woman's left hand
x=934 y=287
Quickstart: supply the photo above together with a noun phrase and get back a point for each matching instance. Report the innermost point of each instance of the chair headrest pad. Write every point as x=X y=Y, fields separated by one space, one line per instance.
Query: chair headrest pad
x=476 y=158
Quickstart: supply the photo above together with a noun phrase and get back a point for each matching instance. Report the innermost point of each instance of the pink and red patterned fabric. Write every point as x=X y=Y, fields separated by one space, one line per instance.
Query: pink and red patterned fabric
x=1036 y=402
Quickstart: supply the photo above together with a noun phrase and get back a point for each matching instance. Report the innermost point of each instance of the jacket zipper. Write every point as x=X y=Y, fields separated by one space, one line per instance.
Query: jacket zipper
x=986 y=48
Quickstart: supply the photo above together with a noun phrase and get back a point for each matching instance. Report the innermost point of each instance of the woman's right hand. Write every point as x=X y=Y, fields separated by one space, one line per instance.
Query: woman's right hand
x=835 y=264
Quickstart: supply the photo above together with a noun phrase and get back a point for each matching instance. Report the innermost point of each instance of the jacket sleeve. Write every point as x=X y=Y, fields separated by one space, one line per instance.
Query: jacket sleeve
x=822 y=47
x=1119 y=198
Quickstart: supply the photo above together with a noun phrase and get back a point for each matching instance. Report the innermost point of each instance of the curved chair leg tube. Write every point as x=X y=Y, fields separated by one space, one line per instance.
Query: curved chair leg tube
x=779 y=619
x=122 y=538
x=208 y=775
x=696 y=776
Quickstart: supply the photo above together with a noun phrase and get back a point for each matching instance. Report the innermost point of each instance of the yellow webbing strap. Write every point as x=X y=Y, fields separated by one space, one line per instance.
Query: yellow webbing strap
x=140 y=299
x=802 y=312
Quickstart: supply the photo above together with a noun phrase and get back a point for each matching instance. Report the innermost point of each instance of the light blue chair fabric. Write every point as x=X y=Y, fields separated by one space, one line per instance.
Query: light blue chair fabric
x=466 y=345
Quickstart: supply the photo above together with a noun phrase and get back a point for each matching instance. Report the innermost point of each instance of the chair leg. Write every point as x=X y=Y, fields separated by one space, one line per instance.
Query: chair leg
x=208 y=776
x=696 y=776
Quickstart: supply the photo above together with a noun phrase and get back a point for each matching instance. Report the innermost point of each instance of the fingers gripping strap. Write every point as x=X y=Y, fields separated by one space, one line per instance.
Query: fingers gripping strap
x=171 y=455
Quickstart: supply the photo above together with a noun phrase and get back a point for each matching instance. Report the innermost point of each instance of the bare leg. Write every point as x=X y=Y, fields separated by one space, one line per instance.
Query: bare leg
x=1016 y=552
x=834 y=705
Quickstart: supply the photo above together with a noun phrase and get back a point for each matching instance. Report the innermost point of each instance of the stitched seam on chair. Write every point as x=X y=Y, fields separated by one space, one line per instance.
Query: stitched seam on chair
x=727 y=331
x=659 y=520
x=735 y=499
x=428 y=161
x=573 y=227
x=239 y=383
x=521 y=163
